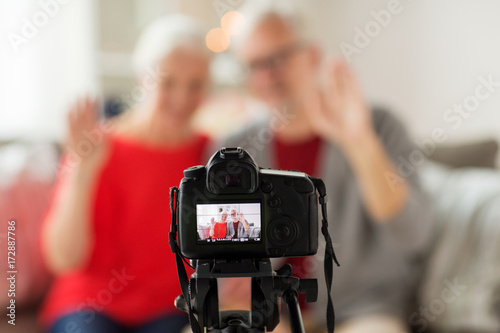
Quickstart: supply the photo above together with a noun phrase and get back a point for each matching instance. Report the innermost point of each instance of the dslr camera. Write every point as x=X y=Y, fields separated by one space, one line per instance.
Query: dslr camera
x=234 y=209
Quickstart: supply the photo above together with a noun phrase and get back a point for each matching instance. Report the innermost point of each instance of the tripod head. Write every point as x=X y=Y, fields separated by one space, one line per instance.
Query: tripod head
x=268 y=287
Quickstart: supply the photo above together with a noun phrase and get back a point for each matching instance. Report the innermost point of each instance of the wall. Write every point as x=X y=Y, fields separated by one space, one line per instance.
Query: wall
x=47 y=58
x=427 y=58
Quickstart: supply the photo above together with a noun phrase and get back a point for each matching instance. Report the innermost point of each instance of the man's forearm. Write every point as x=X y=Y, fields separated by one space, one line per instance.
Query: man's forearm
x=245 y=224
x=371 y=165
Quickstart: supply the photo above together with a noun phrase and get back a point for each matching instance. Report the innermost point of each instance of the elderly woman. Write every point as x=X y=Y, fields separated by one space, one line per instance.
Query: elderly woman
x=105 y=233
x=219 y=229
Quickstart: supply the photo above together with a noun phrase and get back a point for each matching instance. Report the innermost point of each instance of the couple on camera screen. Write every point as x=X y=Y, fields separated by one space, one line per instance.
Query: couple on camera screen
x=219 y=223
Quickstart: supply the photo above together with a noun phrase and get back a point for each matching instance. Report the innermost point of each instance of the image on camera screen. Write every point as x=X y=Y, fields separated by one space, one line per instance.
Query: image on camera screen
x=228 y=222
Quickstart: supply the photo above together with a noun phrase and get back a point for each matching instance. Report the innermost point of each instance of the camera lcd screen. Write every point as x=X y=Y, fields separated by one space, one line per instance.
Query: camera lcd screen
x=228 y=223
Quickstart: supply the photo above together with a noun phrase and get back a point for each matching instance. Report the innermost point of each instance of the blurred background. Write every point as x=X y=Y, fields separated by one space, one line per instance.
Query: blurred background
x=419 y=62
x=435 y=64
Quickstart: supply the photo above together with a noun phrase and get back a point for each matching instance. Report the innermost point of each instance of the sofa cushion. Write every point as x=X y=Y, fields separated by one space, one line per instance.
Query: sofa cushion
x=461 y=285
x=482 y=154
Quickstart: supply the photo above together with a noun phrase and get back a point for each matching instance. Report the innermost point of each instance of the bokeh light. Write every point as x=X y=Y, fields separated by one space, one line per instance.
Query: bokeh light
x=217 y=40
x=232 y=22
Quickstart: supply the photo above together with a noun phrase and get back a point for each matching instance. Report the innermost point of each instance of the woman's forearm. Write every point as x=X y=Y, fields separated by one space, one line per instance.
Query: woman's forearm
x=67 y=236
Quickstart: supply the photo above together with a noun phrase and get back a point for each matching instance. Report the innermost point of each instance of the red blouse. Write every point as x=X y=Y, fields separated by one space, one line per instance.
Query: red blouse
x=220 y=230
x=131 y=275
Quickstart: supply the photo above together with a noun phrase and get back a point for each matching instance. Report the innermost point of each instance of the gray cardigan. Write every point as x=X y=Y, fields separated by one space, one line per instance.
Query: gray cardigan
x=378 y=272
x=241 y=230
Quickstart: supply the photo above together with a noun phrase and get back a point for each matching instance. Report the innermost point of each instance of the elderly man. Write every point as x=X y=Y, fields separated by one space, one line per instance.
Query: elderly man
x=238 y=226
x=379 y=219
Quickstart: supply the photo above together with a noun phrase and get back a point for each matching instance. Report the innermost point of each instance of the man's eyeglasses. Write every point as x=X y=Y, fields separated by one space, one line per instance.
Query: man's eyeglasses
x=276 y=60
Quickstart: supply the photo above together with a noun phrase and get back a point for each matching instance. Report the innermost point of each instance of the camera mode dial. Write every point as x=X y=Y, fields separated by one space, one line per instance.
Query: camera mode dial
x=195 y=172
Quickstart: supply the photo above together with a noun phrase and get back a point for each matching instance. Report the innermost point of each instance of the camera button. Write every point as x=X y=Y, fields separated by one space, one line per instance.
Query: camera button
x=266 y=186
x=282 y=232
x=275 y=202
x=195 y=172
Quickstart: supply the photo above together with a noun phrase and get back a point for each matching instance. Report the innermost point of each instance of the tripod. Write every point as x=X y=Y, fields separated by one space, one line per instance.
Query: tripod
x=267 y=286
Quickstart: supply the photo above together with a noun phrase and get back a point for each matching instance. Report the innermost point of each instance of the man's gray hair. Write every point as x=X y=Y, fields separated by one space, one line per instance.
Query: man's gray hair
x=291 y=12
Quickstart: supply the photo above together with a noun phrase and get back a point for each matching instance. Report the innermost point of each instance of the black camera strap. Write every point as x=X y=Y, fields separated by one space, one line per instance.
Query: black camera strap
x=180 y=260
x=330 y=256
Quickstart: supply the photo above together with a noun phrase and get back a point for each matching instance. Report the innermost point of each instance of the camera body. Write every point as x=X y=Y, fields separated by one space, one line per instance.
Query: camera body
x=234 y=209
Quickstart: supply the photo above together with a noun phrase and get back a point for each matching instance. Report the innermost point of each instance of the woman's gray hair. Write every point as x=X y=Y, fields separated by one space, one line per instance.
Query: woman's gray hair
x=165 y=35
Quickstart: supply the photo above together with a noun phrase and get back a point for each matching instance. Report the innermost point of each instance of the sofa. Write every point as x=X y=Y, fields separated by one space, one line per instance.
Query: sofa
x=460 y=286
x=460 y=283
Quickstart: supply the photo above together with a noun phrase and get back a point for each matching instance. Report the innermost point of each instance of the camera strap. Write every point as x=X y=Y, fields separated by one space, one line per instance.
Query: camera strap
x=180 y=260
x=330 y=256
